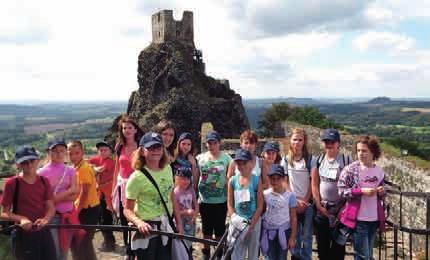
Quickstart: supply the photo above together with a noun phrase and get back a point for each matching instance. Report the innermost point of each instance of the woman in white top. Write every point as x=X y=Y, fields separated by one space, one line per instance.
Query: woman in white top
x=297 y=167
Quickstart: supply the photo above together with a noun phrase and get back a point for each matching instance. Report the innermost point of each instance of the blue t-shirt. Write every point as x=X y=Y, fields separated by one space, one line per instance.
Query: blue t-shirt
x=245 y=198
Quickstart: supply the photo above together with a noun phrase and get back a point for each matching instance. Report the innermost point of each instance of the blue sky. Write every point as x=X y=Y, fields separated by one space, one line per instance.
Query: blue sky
x=87 y=50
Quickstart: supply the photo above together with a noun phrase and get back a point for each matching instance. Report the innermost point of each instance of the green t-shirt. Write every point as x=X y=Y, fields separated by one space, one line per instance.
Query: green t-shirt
x=148 y=204
x=213 y=179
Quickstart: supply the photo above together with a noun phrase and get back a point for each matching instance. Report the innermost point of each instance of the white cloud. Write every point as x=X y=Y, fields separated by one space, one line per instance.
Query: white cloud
x=383 y=41
x=379 y=16
x=394 y=80
x=407 y=9
x=89 y=49
x=22 y=23
x=279 y=17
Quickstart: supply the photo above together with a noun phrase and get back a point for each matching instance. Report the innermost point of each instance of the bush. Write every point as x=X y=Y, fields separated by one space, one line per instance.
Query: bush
x=281 y=112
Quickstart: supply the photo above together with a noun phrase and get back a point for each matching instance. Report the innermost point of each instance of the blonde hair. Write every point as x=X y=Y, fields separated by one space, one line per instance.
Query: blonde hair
x=138 y=161
x=305 y=152
x=76 y=144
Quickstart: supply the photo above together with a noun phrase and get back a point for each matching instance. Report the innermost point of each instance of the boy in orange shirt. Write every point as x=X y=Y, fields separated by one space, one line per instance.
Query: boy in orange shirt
x=104 y=166
x=87 y=204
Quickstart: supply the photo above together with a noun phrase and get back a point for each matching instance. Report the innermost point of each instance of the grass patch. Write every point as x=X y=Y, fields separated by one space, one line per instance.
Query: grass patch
x=393 y=151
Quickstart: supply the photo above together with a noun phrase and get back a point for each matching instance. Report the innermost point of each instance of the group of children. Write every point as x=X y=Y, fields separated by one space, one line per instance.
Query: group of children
x=272 y=201
x=57 y=194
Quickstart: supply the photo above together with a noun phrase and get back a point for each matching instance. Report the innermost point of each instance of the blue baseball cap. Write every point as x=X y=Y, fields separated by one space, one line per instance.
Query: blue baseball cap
x=276 y=169
x=185 y=135
x=330 y=135
x=25 y=153
x=101 y=144
x=150 y=139
x=271 y=146
x=242 y=155
x=56 y=141
x=183 y=172
x=213 y=136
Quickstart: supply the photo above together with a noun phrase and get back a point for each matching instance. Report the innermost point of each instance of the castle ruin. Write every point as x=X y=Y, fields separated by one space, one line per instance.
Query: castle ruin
x=173 y=84
x=166 y=29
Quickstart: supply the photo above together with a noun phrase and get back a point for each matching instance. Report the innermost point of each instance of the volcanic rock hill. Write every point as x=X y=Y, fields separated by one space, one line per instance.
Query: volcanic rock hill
x=173 y=84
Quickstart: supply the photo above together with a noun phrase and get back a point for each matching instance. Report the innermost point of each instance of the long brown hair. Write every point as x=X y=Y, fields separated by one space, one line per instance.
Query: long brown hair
x=178 y=150
x=163 y=125
x=305 y=151
x=138 y=160
x=121 y=141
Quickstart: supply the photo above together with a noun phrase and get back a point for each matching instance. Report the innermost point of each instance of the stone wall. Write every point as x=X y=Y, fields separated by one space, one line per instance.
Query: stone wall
x=166 y=28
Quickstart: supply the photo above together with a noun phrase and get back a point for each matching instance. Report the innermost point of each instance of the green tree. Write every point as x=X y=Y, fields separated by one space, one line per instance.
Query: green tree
x=280 y=112
x=272 y=116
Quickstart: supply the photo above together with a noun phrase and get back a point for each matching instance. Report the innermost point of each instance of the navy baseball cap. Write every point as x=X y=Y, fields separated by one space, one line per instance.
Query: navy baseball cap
x=271 y=146
x=242 y=155
x=150 y=139
x=330 y=135
x=184 y=136
x=56 y=141
x=183 y=172
x=25 y=153
x=276 y=169
x=102 y=144
x=213 y=136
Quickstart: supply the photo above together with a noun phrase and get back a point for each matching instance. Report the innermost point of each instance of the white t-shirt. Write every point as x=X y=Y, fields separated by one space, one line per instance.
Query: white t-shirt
x=298 y=177
x=278 y=207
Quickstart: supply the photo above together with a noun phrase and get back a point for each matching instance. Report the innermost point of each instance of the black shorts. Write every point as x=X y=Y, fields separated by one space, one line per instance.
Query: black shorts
x=213 y=218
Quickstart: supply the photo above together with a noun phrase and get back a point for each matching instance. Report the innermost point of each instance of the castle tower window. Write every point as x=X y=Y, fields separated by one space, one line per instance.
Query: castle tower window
x=159 y=18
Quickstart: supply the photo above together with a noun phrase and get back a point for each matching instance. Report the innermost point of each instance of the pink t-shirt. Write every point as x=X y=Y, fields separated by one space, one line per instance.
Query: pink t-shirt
x=369 y=178
x=125 y=169
x=54 y=172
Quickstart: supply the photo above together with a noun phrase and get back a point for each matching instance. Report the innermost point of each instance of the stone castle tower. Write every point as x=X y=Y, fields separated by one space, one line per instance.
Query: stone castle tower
x=166 y=29
x=173 y=84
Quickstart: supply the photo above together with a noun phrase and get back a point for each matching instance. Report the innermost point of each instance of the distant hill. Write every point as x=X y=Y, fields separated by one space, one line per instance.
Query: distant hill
x=267 y=102
x=380 y=100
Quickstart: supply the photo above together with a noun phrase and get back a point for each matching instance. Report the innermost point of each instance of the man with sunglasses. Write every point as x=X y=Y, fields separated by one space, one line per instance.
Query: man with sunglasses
x=325 y=170
x=28 y=201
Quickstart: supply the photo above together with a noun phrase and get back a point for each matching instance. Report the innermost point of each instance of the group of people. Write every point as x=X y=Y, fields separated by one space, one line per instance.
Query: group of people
x=273 y=203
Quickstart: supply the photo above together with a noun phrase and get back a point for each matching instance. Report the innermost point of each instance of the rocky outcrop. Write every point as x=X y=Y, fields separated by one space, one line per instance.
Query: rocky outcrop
x=173 y=85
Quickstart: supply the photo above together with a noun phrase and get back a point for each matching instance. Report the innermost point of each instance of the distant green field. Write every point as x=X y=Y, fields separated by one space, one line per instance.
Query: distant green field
x=7 y=117
x=419 y=130
x=393 y=151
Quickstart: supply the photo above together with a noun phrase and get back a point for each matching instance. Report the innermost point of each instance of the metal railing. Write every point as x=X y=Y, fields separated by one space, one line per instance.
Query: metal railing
x=405 y=241
x=402 y=240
